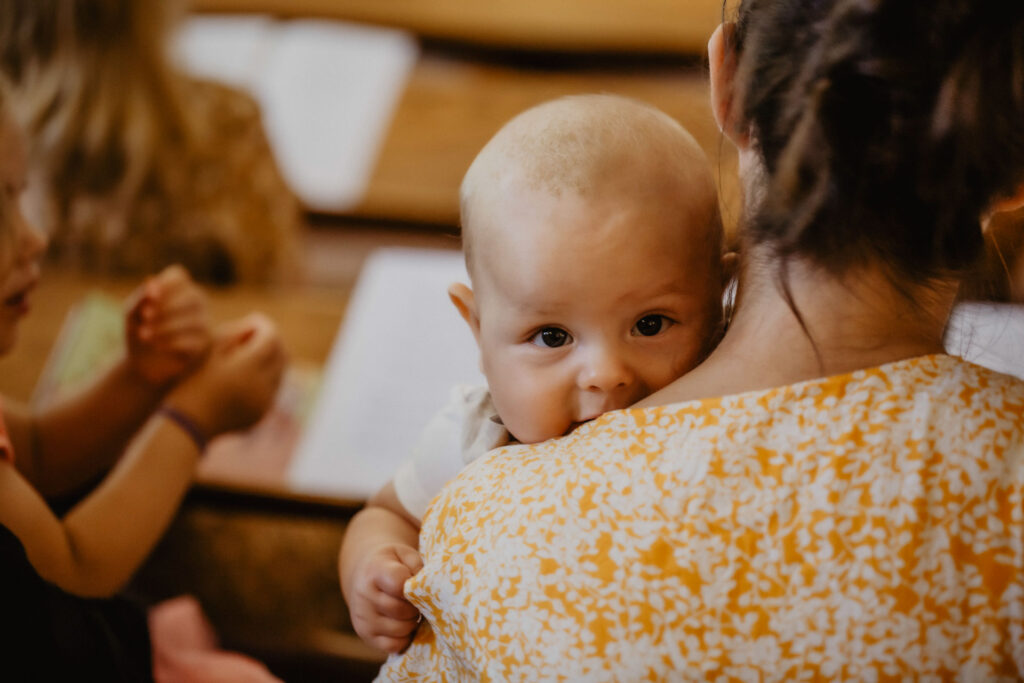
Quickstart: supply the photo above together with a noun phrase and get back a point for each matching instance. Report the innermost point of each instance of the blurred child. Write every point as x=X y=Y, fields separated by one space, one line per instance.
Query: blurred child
x=177 y=386
x=593 y=242
x=135 y=164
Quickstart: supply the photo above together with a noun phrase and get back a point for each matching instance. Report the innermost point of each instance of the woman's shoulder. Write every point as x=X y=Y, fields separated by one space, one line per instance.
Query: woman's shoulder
x=944 y=380
x=960 y=384
x=939 y=403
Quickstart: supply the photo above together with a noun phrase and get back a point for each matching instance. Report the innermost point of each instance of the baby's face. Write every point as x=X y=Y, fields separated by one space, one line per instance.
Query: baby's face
x=588 y=306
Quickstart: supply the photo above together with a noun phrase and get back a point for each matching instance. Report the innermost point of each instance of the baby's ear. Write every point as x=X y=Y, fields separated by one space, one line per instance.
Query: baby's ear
x=465 y=301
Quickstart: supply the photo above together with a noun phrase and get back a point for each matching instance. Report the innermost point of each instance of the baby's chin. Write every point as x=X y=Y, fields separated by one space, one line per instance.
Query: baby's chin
x=541 y=437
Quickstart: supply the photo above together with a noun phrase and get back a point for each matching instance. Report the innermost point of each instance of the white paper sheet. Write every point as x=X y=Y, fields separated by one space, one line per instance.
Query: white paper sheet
x=401 y=348
x=327 y=90
x=989 y=334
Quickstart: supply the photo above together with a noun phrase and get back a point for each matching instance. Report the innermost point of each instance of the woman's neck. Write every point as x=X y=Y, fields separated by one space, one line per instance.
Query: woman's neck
x=858 y=321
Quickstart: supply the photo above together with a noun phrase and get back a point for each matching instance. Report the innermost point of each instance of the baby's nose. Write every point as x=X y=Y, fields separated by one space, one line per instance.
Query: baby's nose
x=605 y=371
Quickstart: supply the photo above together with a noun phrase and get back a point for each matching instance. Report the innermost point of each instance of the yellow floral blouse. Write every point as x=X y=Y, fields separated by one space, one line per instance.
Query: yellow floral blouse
x=864 y=527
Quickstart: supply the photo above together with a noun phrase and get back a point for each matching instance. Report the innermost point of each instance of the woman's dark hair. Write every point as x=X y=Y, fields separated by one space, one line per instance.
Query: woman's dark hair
x=886 y=127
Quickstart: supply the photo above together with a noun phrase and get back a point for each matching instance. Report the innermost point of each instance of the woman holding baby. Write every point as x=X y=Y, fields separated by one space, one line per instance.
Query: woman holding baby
x=828 y=494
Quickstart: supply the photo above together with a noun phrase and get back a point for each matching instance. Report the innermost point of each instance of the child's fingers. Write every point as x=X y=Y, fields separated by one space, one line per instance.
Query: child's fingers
x=261 y=345
x=394 y=608
x=410 y=557
x=185 y=347
x=384 y=625
x=171 y=278
x=243 y=330
x=172 y=292
x=167 y=331
x=141 y=304
x=387 y=644
x=184 y=308
x=182 y=305
x=391 y=578
x=384 y=633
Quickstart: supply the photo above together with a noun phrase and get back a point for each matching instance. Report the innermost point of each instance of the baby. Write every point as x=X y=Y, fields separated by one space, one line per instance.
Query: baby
x=593 y=243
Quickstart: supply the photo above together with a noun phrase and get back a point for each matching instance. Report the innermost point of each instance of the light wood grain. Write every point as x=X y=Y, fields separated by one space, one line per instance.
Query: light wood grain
x=666 y=26
x=451 y=107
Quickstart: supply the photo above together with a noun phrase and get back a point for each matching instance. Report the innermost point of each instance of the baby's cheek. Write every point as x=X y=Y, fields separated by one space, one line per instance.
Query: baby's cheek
x=690 y=353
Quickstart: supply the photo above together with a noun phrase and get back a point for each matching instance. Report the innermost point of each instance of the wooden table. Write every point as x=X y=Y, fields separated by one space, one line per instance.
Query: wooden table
x=678 y=26
x=307 y=317
x=452 y=106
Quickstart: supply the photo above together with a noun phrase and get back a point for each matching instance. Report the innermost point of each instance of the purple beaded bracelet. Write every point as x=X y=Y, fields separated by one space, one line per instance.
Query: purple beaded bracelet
x=187 y=424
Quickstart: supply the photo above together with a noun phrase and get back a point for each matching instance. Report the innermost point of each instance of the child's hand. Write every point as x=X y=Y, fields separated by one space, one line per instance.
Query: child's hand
x=167 y=328
x=380 y=613
x=237 y=383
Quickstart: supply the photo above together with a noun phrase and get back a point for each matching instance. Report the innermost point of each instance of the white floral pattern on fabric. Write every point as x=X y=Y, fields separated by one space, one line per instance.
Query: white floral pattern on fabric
x=862 y=527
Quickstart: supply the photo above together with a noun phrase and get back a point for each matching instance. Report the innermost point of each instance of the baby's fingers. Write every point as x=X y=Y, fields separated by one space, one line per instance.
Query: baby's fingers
x=395 y=608
x=391 y=579
x=410 y=557
x=387 y=644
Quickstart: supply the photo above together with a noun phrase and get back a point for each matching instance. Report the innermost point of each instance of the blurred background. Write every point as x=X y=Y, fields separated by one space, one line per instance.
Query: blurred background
x=375 y=109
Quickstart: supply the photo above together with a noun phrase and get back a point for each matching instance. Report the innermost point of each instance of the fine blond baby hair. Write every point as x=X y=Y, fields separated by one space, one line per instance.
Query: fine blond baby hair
x=575 y=144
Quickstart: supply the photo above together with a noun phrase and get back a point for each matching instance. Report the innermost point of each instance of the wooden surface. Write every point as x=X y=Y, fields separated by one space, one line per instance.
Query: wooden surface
x=451 y=107
x=307 y=317
x=673 y=26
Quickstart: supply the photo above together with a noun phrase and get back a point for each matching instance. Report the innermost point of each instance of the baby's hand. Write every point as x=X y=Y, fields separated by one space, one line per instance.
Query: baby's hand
x=167 y=326
x=380 y=613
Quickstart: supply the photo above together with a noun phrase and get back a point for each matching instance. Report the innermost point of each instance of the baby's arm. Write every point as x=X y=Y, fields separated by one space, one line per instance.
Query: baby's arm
x=98 y=545
x=378 y=555
x=380 y=550
x=64 y=445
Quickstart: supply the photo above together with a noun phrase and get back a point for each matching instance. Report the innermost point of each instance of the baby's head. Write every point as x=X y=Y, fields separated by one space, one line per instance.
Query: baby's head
x=594 y=246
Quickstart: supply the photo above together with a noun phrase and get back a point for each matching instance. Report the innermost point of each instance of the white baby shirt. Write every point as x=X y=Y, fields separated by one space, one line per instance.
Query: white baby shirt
x=466 y=428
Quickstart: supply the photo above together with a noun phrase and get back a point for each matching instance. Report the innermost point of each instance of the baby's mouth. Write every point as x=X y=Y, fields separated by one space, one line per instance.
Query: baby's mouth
x=574 y=425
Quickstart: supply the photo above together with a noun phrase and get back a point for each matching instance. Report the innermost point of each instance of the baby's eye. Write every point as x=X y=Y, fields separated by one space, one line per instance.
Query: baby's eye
x=650 y=325
x=551 y=337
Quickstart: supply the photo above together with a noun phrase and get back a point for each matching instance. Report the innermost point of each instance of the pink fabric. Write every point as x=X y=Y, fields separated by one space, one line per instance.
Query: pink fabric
x=185 y=648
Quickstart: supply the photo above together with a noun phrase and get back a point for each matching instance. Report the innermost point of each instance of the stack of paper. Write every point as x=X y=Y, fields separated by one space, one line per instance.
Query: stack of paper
x=401 y=348
x=327 y=90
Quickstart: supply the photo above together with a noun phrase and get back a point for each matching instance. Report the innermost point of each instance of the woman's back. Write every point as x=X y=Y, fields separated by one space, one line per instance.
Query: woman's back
x=863 y=520
x=859 y=526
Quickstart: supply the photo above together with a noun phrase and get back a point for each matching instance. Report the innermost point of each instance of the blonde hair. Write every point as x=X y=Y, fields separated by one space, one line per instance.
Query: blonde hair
x=94 y=89
x=569 y=144
x=119 y=137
